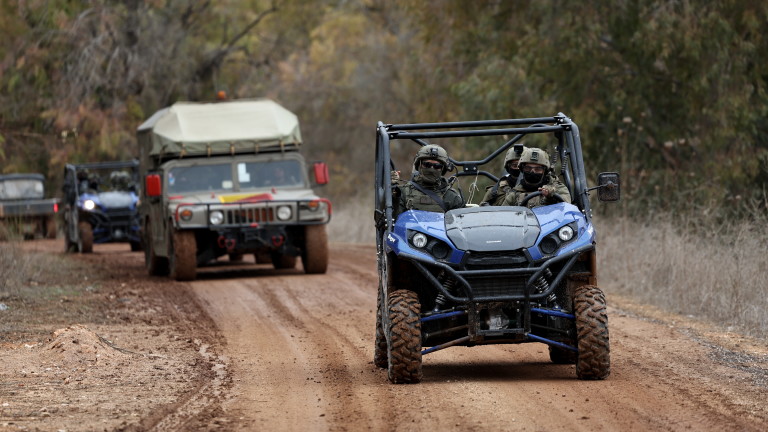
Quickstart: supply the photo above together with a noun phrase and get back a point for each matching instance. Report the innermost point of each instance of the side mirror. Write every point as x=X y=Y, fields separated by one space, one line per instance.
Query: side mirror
x=153 y=185
x=608 y=186
x=320 y=170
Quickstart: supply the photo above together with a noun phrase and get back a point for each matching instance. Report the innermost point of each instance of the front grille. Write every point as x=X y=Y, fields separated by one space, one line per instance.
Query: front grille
x=119 y=217
x=249 y=215
x=495 y=260
x=496 y=285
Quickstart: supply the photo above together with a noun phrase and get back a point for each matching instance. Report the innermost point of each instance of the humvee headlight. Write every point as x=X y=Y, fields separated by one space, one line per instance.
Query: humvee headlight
x=216 y=217
x=419 y=240
x=565 y=233
x=89 y=205
x=185 y=214
x=284 y=213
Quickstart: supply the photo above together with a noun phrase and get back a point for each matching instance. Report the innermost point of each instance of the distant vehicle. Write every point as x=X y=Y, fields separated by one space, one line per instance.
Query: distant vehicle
x=23 y=208
x=227 y=178
x=490 y=274
x=100 y=205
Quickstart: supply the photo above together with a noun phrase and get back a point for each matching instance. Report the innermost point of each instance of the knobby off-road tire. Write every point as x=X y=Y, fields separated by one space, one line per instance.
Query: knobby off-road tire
x=314 y=255
x=594 y=359
x=86 y=237
x=280 y=261
x=136 y=246
x=156 y=265
x=183 y=255
x=404 y=348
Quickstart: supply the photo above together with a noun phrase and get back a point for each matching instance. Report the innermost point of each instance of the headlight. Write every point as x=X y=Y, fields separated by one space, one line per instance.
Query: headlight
x=565 y=233
x=284 y=213
x=419 y=240
x=186 y=214
x=216 y=217
x=89 y=205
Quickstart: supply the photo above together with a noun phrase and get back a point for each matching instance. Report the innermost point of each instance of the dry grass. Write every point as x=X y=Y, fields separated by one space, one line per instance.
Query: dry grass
x=716 y=272
x=22 y=274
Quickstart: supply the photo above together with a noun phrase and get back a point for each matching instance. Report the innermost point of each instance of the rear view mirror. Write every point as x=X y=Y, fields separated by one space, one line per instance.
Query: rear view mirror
x=608 y=186
x=153 y=185
x=320 y=170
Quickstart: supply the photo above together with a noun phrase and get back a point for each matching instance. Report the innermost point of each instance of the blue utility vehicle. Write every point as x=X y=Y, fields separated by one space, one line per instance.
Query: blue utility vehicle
x=490 y=274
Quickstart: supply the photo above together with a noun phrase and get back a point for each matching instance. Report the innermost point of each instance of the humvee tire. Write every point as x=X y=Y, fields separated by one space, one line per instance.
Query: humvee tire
x=156 y=266
x=594 y=359
x=314 y=254
x=86 y=237
x=182 y=255
x=280 y=261
x=404 y=348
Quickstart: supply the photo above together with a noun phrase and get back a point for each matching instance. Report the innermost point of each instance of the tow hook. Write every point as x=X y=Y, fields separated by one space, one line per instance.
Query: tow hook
x=226 y=243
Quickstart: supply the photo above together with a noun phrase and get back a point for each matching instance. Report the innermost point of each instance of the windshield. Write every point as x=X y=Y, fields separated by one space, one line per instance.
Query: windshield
x=21 y=188
x=200 y=178
x=283 y=173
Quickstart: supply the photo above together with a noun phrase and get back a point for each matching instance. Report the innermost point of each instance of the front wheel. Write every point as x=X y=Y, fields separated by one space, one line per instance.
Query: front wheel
x=85 y=230
x=594 y=359
x=404 y=347
x=314 y=255
x=183 y=255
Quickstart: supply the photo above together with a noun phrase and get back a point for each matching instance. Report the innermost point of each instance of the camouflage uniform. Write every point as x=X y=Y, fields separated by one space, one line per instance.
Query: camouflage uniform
x=495 y=194
x=411 y=198
x=549 y=182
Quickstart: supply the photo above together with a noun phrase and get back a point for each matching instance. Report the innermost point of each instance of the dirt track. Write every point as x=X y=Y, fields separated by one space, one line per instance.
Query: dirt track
x=294 y=352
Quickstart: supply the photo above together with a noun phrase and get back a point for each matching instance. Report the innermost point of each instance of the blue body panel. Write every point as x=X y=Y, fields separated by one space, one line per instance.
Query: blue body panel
x=550 y=219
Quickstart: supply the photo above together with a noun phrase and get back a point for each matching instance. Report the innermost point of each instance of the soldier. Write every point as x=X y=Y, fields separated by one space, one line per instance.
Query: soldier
x=494 y=195
x=537 y=176
x=429 y=190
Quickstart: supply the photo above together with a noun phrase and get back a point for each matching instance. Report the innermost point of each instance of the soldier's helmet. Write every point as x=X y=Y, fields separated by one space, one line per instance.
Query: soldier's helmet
x=512 y=155
x=432 y=151
x=119 y=180
x=535 y=156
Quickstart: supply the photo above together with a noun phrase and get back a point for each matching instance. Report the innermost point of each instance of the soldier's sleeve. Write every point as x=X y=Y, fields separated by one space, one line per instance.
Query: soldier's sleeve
x=488 y=194
x=562 y=190
x=510 y=199
x=453 y=200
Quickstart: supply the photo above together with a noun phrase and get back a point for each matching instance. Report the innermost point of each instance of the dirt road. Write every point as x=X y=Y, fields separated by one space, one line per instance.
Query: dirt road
x=294 y=352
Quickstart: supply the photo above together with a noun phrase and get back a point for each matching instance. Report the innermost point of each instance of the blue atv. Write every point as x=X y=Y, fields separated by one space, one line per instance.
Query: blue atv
x=101 y=202
x=490 y=274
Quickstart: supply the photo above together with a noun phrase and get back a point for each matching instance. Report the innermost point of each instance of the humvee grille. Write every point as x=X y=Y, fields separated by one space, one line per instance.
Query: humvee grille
x=249 y=215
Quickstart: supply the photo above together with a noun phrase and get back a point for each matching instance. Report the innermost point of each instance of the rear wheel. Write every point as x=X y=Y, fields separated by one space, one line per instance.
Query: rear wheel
x=594 y=358
x=135 y=246
x=314 y=255
x=262 y=258
x=156 y=266
x=182 y=255
x=85 y=245
x=404 y=348
x=281 y=261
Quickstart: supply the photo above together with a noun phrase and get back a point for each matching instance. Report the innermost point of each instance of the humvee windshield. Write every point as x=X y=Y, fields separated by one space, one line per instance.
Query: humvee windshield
x=249 y=175
x=21 y=189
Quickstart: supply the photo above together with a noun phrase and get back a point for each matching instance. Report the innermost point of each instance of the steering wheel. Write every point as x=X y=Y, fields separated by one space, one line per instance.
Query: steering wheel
x=538 y=193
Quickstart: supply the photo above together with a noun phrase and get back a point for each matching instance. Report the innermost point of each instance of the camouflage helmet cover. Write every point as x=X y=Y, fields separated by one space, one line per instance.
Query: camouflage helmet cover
x=512 y=155
x=535 y=156
x=432 y=151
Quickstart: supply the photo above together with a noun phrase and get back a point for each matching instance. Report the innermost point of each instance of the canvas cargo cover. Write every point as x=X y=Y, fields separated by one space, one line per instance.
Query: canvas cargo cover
x=190 y=128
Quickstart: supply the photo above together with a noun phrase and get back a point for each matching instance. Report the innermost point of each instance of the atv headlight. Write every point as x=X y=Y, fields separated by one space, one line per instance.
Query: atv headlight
x=565 y=233
x=284 y=213
x=89 y=205
x=419 y=240
x=216 y=217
